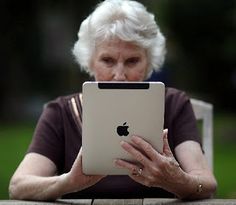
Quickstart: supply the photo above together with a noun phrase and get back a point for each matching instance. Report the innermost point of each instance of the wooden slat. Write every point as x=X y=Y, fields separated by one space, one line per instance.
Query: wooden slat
x=76 y=201
x=19 y=202
x=158 y=201
x=197 y=202
x=118 y=202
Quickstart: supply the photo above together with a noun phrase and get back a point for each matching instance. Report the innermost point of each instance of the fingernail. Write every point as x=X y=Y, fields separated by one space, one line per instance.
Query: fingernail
x=134 y=138
x=122 y=142
x=116 y=162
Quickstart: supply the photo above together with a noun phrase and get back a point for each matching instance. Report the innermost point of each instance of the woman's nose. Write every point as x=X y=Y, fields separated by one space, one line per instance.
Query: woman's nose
x=119 y=73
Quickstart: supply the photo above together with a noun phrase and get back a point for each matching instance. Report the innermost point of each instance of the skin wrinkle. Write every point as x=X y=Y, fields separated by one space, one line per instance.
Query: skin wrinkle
x=119 y=54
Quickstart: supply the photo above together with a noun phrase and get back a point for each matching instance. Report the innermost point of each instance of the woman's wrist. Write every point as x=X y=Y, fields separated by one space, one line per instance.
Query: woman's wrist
x=59 y=187
x=66 y=184
x=186 y=185
x=69 y=184
x=197 y=187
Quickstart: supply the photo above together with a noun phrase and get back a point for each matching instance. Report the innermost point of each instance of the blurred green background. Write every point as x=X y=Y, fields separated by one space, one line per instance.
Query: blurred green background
x=37 y=65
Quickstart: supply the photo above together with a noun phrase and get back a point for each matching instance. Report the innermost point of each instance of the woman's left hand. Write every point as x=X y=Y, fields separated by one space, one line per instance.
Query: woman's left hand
x=153 y=169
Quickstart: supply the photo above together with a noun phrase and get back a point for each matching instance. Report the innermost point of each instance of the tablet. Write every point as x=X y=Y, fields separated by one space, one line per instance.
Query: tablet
x=114 y=111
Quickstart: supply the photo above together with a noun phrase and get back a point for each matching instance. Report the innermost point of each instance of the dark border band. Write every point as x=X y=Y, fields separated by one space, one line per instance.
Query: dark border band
x=123 y=85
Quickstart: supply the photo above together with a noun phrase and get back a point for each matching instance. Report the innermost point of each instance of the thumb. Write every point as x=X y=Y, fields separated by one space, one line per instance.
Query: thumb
x=78 y=161
x=166 y=147
x=79 y=156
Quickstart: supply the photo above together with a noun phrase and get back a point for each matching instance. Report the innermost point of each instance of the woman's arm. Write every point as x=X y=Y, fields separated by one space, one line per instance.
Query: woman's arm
x=198 y=174
x=36 y=179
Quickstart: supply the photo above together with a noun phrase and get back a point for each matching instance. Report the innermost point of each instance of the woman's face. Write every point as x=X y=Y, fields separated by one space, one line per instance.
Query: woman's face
x=117 y=60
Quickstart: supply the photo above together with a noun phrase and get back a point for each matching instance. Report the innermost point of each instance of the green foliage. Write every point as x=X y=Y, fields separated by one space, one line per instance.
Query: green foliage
x=224 y=154
x=14 y=140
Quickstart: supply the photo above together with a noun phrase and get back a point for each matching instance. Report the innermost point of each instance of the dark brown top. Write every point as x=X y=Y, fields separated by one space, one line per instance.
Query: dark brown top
x=58 y=137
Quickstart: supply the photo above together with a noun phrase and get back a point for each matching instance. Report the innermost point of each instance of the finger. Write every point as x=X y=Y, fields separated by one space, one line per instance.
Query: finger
x=133 y=169
x=146 y=147
x=80 y=152
x=166 y=148
x=136 y=154
x=77 y=165
x=79 y=156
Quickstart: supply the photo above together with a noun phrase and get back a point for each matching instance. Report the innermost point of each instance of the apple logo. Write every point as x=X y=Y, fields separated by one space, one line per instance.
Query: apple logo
x=122 y=130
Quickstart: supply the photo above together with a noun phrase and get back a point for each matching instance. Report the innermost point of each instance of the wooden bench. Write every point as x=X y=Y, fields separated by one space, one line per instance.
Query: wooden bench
x=123 y=202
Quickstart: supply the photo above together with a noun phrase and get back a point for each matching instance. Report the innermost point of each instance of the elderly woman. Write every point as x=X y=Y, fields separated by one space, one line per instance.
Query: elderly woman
x=119 y=41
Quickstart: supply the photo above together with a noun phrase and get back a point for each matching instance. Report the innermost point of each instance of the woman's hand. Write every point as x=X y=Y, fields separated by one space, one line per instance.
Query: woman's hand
x=155 y=169
x=77 y=179
x=43 y=183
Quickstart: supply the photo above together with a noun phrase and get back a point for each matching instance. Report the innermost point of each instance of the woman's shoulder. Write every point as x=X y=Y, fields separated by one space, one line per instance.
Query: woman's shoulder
x=175 y=99
x=175 y=94
x=62 y=101
x=63 y=108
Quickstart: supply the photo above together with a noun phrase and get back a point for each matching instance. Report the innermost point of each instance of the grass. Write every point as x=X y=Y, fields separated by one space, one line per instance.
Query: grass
x=14 y=140
x=224 y=154
x=225 y=171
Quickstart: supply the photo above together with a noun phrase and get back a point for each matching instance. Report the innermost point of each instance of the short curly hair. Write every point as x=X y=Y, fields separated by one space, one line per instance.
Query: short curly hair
x=127 y=20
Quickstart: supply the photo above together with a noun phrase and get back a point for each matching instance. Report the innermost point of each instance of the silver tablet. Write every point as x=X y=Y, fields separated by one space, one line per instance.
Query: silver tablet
x=114 y=111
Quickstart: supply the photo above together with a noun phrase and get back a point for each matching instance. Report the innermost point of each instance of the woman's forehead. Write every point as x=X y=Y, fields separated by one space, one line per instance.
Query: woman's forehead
x=113 y=45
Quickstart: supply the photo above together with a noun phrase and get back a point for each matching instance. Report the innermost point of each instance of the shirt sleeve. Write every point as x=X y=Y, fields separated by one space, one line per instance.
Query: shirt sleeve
x=182 y=121
x=48 y=136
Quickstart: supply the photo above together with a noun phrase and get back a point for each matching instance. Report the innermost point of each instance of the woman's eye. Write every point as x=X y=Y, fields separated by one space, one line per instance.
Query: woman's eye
x=108 y=60
x=132 y=61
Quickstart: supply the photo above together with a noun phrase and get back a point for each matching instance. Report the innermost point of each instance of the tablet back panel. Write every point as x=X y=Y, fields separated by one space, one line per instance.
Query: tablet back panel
x=113 y=112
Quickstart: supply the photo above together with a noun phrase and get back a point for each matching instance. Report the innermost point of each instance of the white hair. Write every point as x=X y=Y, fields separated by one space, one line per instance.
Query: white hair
x=125 y=19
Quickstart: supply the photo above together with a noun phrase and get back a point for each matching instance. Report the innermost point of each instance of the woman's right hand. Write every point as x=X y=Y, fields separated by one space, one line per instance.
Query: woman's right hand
x=77 y=179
